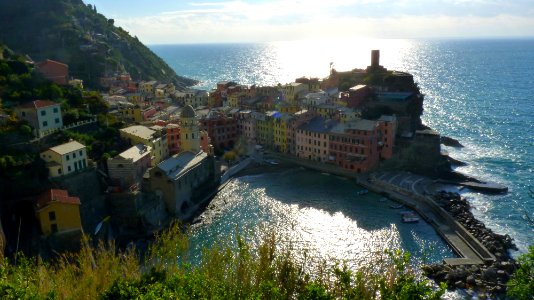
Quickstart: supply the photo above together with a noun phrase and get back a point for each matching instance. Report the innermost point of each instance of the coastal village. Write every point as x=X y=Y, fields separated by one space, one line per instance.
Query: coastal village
x=177 y=147
x=180 y=145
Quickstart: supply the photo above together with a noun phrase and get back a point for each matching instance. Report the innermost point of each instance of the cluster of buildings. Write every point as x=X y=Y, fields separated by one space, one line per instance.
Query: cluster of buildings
x=174 y=135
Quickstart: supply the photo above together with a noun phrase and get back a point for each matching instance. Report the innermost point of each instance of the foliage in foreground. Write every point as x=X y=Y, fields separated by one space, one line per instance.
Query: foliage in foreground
x=266 y=272
x=521 y=285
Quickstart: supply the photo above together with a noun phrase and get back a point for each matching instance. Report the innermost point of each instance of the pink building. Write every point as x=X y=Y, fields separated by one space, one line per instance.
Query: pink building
x=354 y=145
x=246 y=126
x=312 y=139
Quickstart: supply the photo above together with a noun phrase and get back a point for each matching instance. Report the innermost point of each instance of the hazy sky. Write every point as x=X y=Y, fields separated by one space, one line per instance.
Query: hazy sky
x=213 y=21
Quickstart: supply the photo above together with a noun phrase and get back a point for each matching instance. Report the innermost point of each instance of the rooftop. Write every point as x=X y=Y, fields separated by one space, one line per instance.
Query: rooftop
x=136 y=152
x=363 y=125
x=139 y=131
x=67 y=147
x=387 y=118
x=55 y=195
x=393 y=96
x=38 y=104
x=318 y=124
x=178 y=164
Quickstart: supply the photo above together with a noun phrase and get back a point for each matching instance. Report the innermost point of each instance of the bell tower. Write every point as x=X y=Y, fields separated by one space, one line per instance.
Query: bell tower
x=189 y=131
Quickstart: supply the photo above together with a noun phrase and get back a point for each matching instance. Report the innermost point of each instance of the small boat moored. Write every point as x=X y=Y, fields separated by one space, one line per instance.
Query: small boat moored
x=410 y=217
x=362 y=192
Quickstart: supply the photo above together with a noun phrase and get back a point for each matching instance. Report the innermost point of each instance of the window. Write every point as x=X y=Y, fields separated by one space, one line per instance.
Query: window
x=69 y=168
x=23 y=113
x=81 y=153
x=52 y=215
x=45 y=123
x=74 y=155
x=56 y=110
x=68 y=157
x=57 y=120
x=53 y=227
x=43 y=112
x=59 y=171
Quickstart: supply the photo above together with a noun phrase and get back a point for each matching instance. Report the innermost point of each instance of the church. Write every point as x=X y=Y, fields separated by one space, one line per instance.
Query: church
x=182 y=180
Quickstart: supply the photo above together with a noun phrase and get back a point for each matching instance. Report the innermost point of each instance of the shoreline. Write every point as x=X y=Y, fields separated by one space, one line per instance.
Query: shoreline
x=483 y=276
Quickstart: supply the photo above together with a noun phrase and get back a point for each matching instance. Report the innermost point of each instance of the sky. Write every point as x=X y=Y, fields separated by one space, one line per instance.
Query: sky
x=220 y=21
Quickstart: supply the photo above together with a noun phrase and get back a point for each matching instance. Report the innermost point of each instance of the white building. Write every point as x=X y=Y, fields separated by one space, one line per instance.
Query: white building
x=42 y=115
x=65 y=159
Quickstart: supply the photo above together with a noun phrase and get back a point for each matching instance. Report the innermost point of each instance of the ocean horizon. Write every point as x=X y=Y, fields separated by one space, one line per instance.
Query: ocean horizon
x=479 y=91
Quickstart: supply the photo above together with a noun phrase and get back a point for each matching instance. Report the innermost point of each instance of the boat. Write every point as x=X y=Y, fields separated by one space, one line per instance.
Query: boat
x=362 y=192
x=410 y=217
x=396 y=206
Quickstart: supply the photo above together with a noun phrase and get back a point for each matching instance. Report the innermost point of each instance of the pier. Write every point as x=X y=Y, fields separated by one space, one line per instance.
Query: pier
x=464 y=244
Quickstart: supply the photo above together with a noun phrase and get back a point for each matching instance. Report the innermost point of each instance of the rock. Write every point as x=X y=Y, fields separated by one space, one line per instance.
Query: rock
x=470 y=280
x=459 y=284
x=490 y=274
x=448 y=141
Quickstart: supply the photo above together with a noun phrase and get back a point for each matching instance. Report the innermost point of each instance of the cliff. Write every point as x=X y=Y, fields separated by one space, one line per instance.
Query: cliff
x=76 y=34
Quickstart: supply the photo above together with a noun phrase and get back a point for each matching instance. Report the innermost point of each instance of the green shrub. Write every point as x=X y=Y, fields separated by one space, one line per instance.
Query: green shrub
x=521 y=285
x=269 y=271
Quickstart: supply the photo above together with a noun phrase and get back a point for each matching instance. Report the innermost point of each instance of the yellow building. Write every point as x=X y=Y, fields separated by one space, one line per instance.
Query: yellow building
x=58 y=212
x=189 y=130
x=281 y=131
x=65 y=158
x=131 y=114
x=293 y=90
x=138 y=134
x=148 y=87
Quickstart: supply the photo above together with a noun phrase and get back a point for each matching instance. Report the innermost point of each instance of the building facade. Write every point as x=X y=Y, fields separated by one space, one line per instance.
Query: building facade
x=65 y=159
x=58 y=212
x=127 y=168
x=157 y=140
x=42 y=115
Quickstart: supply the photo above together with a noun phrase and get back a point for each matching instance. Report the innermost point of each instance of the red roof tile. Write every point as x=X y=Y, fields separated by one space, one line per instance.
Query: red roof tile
x=49 y=61
x=52 y=195
x=38 y=104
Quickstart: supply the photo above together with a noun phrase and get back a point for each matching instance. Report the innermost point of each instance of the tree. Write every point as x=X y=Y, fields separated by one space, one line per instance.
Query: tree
x=521 y=285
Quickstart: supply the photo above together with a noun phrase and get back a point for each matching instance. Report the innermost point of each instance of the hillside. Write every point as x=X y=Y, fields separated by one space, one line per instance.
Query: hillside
x=76 y=34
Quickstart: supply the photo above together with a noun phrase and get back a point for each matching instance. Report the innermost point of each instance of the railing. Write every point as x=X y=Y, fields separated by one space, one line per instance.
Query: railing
x=48 y=132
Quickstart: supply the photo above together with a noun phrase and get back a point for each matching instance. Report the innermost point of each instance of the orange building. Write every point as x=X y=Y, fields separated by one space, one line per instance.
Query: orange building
x=388 y=130
x=54 y=71
x=354 y=145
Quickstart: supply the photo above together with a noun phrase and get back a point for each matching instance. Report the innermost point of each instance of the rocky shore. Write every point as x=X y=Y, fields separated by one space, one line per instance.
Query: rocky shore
x=486 y=280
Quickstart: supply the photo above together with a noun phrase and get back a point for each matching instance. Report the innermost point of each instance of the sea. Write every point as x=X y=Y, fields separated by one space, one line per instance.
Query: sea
x=479 y=91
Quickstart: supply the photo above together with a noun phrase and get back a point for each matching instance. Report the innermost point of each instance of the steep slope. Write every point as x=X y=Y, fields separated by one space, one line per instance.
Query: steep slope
x=74 y=33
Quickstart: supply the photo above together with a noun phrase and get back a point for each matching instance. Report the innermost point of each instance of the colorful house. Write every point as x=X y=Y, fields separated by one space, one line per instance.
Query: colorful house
x=388 y=131
x=312 y=139
x=354 y=145
x=281 y=132
x=65 y=159
x=157 y=140
x=58 y=212
x=42 y=115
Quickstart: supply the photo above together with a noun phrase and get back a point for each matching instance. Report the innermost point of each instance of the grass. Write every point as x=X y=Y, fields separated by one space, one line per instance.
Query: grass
x=268 y=271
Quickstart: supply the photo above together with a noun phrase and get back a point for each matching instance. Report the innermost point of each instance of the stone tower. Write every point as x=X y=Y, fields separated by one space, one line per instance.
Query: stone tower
x=375 y=58
x=189 y=131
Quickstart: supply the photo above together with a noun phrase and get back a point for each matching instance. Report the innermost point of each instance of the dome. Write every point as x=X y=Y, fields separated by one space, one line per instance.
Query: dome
x=188 y=112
